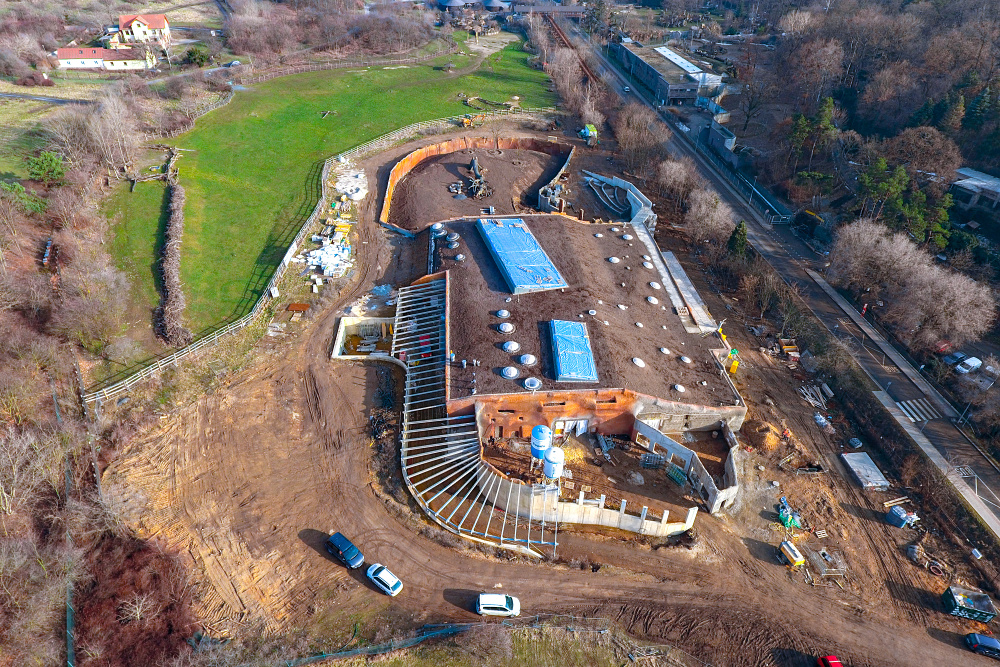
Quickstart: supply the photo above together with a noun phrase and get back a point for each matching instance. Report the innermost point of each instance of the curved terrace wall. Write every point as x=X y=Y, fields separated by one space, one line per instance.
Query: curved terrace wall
x=411 y=160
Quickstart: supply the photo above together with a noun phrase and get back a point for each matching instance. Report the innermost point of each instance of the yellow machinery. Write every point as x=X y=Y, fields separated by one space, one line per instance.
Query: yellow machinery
x=791 y=555
x=471 y=121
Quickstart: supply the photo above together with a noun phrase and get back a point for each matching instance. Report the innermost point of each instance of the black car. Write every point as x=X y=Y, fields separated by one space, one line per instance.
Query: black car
x=344 y=550
x=983 y=645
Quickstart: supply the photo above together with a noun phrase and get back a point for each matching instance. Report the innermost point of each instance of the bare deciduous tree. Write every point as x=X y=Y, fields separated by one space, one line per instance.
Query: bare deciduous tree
x=677 y=178
x=170 y=315
x=139 y=608
x=924 y=149
x=924 y=302
x=640 y=134
x=708 y=218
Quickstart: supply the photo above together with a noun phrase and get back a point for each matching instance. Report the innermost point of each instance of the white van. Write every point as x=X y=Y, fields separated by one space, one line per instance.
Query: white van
x=969 y=365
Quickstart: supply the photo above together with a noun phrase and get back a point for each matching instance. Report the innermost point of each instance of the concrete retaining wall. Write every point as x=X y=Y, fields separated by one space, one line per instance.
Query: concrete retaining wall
x=538 y=502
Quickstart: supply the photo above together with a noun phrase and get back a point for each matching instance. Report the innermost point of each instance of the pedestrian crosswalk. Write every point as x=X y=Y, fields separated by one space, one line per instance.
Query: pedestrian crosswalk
x=918 y=410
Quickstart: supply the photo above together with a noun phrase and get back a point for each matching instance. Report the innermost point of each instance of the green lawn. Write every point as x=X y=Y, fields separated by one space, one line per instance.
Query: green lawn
x=138 y=239
x=252 y=176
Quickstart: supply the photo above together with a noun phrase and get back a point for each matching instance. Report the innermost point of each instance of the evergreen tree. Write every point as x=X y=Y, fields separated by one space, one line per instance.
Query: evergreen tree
x=801 y=129
x=737 y=244
x=979 y=110
x=951 y=122
x=924 y=115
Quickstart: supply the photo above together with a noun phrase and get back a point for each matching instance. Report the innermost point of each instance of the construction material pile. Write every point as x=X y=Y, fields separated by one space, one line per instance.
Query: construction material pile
x=351 y=181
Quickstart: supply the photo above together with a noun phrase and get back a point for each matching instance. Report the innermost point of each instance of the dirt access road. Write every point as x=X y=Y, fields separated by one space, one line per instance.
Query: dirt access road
x=254 y=477
x=247 y=482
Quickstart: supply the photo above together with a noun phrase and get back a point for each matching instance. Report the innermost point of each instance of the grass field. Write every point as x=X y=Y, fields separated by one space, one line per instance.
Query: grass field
x=252 y=176
x=538 y=648
x=17 y=120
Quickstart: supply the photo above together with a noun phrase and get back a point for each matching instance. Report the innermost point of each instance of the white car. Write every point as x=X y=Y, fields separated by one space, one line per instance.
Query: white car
x=495 y=604
x=385 y=580
x=968 y=365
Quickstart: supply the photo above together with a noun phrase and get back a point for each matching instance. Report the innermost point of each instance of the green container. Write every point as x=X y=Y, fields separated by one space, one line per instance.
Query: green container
x=968 y=604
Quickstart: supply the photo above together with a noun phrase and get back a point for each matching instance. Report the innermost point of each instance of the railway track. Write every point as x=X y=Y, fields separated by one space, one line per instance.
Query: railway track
x=561 y=36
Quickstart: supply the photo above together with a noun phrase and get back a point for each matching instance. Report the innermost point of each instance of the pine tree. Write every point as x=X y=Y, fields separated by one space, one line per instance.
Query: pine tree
x=924 y=115
x=979 y=110
x=951 y=122
x=737 y=244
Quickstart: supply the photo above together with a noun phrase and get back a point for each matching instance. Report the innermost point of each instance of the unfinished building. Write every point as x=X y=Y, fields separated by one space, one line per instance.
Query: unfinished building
x=557 y=372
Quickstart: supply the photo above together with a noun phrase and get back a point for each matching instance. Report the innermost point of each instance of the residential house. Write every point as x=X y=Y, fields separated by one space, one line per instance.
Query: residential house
x=140 y=29
x=75 y=57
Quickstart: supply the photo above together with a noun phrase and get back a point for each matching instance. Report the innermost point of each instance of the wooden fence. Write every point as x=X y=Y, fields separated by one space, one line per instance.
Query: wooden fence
x=377 y=144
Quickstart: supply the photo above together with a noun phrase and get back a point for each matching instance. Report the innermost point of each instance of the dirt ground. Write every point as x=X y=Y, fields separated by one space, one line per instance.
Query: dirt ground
x=247 y=481
x=515 y=176
x=624 y=325
x=621 y=478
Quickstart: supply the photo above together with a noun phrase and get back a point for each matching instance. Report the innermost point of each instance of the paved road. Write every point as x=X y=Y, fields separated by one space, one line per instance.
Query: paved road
x=43 y=98
x=792 y=258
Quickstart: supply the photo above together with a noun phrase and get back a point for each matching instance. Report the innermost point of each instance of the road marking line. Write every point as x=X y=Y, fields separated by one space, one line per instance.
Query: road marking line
x=918 y=410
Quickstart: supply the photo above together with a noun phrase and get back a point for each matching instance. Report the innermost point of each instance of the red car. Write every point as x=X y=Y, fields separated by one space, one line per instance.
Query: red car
x=829 y=661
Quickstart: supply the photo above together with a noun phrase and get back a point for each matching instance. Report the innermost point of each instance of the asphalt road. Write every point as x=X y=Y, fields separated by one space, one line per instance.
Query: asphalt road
x=43 y=98
x=791 y=257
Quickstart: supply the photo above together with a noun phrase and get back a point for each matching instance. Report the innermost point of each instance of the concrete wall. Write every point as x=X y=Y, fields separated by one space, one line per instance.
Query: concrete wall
x=540 y=503
x=716 y=498
x=610 y=411
x=406 y=164
x=641 y=208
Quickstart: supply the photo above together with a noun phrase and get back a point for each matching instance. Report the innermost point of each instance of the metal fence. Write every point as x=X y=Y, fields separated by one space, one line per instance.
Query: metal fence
x=379 y=143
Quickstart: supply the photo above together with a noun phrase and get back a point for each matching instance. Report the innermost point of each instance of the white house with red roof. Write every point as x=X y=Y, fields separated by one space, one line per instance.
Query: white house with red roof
x=140 y=29
x=88 y=57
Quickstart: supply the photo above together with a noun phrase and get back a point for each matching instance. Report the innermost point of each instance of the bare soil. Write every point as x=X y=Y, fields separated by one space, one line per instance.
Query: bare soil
x=591 y=473
x=617 y=335
x=422 y=197
x=249 y=480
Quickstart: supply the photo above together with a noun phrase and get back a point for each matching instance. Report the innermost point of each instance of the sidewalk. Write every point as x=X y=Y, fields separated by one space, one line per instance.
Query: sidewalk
x=970 y=496
x=912 y=374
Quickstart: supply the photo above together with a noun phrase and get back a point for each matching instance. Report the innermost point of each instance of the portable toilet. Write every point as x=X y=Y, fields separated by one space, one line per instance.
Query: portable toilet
x=791 y=554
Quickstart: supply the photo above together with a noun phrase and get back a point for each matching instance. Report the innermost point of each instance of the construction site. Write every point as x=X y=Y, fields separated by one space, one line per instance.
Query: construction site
x=525 y=387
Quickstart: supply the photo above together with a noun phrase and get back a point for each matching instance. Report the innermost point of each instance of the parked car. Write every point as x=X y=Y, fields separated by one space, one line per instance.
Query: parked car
x=234 y=63
x=953 y=358
x=385 y=580
x=968 y=365
x=496 y=604
x=344 y=550
x=983 y=645
x=626 y=89
x=829 y=661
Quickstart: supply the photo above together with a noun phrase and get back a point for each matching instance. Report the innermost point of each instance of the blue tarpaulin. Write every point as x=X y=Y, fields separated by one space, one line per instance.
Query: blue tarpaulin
x=520 y=258
x=571 y=348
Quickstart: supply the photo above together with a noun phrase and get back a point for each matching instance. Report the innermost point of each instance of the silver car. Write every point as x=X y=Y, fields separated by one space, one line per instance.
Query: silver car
x=495 y=604
x=387 y=582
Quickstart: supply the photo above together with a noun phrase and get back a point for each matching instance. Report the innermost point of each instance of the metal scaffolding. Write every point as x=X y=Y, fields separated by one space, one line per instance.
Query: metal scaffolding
x=441 y=455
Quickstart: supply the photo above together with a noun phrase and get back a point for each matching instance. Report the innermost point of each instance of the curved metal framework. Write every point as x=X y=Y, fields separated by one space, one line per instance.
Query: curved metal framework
x=441 y=455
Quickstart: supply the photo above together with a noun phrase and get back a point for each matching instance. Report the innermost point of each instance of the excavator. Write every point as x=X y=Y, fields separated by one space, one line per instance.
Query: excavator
x=473 y=121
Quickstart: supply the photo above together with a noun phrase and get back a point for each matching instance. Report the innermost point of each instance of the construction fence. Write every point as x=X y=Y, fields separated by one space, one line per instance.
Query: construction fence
x=270 y=291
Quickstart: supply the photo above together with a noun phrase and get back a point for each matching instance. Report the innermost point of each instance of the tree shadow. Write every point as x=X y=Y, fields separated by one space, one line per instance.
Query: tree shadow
x=316 y=540
x=463 y=598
